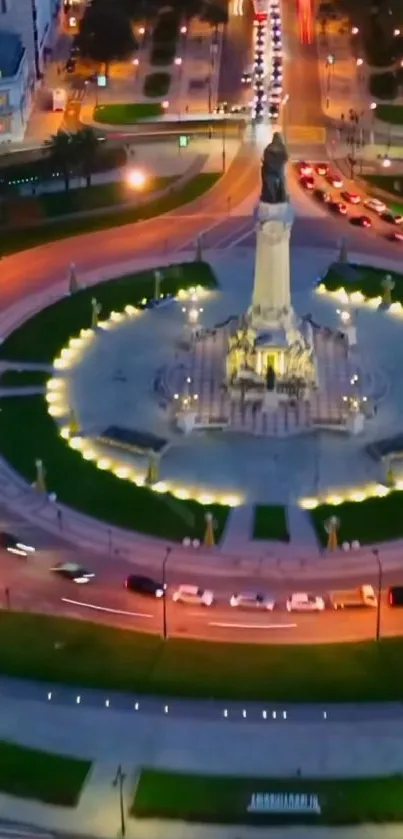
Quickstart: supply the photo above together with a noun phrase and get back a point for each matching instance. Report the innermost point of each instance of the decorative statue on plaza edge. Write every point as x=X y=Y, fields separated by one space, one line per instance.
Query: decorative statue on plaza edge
x=274 y=158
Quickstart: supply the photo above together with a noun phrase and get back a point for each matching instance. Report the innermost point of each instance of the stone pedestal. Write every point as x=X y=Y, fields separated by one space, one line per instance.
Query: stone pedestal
x=271 y=299
x=351 y=334
x=270 y=401
x=355 y=423
x=185 y=421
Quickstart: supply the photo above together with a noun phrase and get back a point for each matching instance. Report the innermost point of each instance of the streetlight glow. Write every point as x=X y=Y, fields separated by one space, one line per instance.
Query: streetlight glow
x=373 y=106
x=178 y=62
x=359 y=62
x=354 y=30
x=165 y=105
x=136 y=179
x=386 y=162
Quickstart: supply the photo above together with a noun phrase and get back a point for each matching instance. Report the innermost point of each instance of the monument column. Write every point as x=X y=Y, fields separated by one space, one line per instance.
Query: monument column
x=271 y=298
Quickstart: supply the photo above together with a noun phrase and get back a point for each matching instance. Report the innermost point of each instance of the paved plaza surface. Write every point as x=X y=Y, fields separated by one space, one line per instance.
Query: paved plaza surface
x=109 y=738
x=114 y=384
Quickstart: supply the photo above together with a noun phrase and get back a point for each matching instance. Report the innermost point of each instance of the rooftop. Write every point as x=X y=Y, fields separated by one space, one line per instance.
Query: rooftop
x=11 y=52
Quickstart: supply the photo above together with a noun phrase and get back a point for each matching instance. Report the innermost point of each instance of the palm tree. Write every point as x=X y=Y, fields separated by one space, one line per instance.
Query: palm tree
x=86 y=151
x=61 y=152
x=106 y=34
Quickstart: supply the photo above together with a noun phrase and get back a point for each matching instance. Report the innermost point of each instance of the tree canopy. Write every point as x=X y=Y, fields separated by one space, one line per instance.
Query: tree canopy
x=106 y=33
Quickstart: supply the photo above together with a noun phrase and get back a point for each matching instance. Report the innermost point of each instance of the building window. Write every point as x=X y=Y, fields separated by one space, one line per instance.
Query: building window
x=5 y=126
x=4 y=99
x=3 y=7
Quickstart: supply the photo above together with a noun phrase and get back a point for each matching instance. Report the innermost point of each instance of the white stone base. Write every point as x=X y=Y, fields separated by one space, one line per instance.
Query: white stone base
x=351 y=334
x=271 y=401
x=355 y=423
x=186 y=421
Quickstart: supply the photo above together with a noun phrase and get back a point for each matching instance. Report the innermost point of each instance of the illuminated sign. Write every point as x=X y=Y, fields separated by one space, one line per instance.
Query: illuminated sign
x=279 y=802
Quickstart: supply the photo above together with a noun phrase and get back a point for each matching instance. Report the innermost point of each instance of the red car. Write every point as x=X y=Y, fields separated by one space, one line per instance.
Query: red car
x=307 y=182
x=351 y=197
x=361 y=221
x=305 y=168
x=335 y=180
x=323 y=195
x=338 y=207
x=322 y=168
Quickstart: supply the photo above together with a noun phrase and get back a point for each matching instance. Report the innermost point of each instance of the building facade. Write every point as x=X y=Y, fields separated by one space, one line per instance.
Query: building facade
x=15 y=87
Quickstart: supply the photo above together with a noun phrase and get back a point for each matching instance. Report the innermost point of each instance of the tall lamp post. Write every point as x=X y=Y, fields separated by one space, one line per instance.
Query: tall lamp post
x=329 y=64
x=164 y=597
x=119 y=780
x=378 y=608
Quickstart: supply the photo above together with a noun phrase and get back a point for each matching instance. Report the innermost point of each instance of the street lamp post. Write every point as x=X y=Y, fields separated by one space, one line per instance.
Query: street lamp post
x=378 y=608
x=164 y=597
x=119 y=780
x=330 y=59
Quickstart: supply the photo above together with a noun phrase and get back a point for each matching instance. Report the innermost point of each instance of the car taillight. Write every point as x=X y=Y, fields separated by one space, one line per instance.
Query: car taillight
x=390 y=599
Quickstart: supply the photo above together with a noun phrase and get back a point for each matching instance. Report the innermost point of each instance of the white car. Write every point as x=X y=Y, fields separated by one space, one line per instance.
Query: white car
x=246 y=78
x=304 y=602
x=376 y=205
x=193 y=595
x=252 y=600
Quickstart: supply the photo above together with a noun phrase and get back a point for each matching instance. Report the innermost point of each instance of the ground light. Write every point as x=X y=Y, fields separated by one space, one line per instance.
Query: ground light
x=136 y=179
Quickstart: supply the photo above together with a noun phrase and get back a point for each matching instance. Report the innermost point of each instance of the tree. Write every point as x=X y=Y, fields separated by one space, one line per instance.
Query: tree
x=61 y=152
x=214 y=13
x=106 y=34
x=86 y=151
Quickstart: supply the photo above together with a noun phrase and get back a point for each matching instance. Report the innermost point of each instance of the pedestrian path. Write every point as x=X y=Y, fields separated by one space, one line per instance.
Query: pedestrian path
x=238 y=530
x=300 y=527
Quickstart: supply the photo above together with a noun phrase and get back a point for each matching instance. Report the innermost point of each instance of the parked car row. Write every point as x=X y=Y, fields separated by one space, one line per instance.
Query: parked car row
x=307 y=172
x=363 y=596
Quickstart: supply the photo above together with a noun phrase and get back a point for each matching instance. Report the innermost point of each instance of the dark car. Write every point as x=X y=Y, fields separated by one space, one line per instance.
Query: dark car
x=14 y=545
x=395 y=236
x=144 y=585
x=307 y=182
x=337 y=207
x=361 y=221
x=392 y=218
x=70 y=65
x=322 y=195
x=395 y=596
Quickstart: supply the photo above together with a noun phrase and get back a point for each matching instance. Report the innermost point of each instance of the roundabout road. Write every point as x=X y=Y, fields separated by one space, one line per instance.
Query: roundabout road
x=31 y=584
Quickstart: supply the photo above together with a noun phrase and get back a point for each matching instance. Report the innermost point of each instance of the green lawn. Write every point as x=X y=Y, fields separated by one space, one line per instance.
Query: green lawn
x=75 y=652
x=365 y=279
x=225 y=799
x=127 y=113
x=77 y=482
x=95 y=197
x=42 y=776
x=157 y=84
x=36 y=166
x=21 y=239
x=24 y=378
x=373 y=520
x=390 y=113
x=270 y=522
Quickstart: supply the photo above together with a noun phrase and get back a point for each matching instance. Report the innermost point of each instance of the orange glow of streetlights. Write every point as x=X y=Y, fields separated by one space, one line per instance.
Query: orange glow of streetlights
x=165 y=105
x=373 y=106
x=135 y=62
x=184 y=29
x=136 y=179
x=354 y=30
x=359 y=62
x=142 y=30
x=178 y=62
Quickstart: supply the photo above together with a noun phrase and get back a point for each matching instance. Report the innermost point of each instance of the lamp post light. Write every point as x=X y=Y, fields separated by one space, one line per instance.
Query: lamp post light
x=329 y=63
x=164 y=598
x=119 y=780
x=284 y=102
x=136 y=179
x=378 y=608
x=354 y=30
x=359 y=62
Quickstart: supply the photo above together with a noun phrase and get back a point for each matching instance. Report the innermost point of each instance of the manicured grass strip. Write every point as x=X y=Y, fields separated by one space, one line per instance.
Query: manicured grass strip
x=42 y=776
x=91 y=655
x=38 y=166
x=77 y=482
x=390 y=113
x=373 y=520
x=362 y=278
x=390 y=183
x=28 y=432
x=225 y=799
x=127 y=113
x=24 y=378
x=270 y=522
x=52 y=204
x=17 y=240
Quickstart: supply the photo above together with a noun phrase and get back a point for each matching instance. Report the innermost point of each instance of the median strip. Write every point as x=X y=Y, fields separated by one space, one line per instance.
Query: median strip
x=253 y=625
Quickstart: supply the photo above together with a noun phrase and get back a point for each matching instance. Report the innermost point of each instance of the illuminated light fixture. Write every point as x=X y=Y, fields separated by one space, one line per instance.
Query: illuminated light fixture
x=76 y=443
x=205 y=499
x=104 y=324
x=89 y=454
x=321 y=289
x=398 y=485
x=182 y=494
x=139 y=480
x=309 y=503
x=131 y=310
x=396 y=308
x=54 y=384
x=334 y=500
x=56 y=411
x=161 y=486
x=104 y=463
x=374 y=302
x=122 y=472
x=357 y=297
x=87 y=333
x=117 y=317
x=357 y=496
x=53 y=397
x=76 y=343
x=381 y=491
x=230 y=501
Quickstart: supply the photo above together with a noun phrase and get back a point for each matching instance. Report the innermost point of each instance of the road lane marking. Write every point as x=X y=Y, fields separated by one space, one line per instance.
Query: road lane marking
x=105 y=609
x=254 y=625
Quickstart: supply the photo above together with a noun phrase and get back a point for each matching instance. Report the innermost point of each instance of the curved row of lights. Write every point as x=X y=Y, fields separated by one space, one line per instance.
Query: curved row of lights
x=59 y=408
x=357 y=298
x=356 y=494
